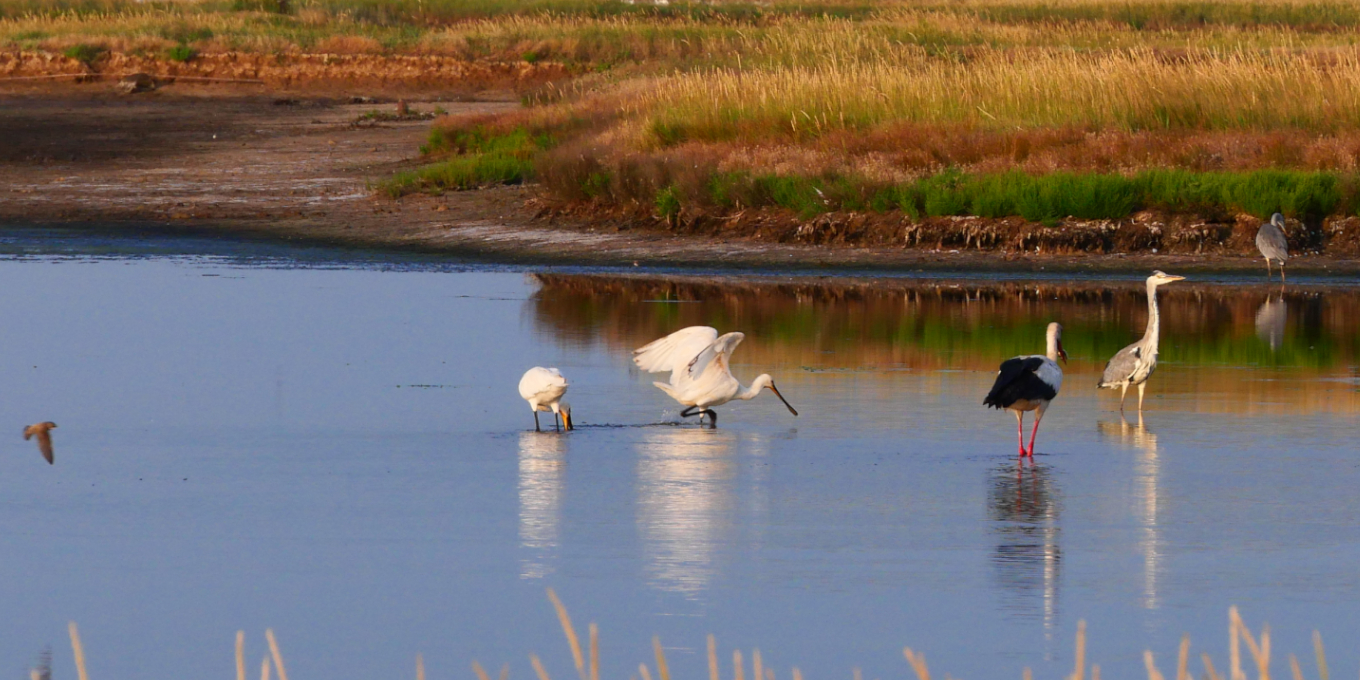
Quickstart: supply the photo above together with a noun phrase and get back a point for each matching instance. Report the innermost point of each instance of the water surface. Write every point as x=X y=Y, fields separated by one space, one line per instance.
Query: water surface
x=331 y=445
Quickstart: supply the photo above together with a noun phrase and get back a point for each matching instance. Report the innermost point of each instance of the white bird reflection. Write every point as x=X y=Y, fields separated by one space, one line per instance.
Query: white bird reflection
x=1023 y=500
x=542 y=476
x=1270 y=320
x=685 y=504
x=1148 y=474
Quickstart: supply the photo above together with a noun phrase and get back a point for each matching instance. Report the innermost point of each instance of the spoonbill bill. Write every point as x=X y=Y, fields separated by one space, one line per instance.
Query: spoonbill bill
x=698 y=360
x=1029 y=383
x=543 y=389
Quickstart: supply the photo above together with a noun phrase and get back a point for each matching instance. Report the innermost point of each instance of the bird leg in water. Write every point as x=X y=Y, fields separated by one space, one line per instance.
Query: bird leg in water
x=1020 y=430
x=1038 y=416
x=1281 y=272
x=690 y=411
x=1123 y=392
x=536 y=427
x=556 y=426
x=1268 y=270
x=712 y=418
x=1141 y=386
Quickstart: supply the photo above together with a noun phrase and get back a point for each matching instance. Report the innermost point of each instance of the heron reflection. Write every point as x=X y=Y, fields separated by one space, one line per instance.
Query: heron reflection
x=1147 y=476
x=1023 y=501
x=542 y=477
x=1270 y=320
x=686 y=481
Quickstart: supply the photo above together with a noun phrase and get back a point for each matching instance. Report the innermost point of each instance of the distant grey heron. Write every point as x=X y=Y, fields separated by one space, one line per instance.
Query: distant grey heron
x=1133 y=364
x=1271 y=241
x=1029 y=383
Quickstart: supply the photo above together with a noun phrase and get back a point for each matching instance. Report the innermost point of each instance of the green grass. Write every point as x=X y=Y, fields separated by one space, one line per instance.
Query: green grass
x=84 y=53
x=471 y=158
x=1040 y=198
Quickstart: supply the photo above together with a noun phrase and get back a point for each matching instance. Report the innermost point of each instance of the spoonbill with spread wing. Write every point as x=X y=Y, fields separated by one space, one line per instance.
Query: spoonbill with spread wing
x=698 y=360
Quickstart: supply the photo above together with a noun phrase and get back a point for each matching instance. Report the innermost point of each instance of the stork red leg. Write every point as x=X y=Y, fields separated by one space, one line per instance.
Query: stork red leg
x=1038 y=416
x=1020 y=430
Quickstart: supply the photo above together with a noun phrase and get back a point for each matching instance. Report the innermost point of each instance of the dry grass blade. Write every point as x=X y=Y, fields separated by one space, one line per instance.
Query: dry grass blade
x=797 y=674
x=663 y=671
x=1080 y=671
x=1027 y=674
x=642 y=670
x=1095 y=671
x=1321 y=655
x=1209 y=668
x=712 y=657
x=1182 y=672
x=420 y=667
x=479 y=671
x=240 y=655
x=505 y=672
x=739 y=672
x=274 y=652
x=1294 y=667
x=78 y=650
x=538 y=667
x=33 y=674
x=594 y=652
x=1234 y=649
x=854 y=672
x=918 y=663
x=1260 y=653
x=264 y=669
x=570 y=632
x=1153 y=673
x=757 y=666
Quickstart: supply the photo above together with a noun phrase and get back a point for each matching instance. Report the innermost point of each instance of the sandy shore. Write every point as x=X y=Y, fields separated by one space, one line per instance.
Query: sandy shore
x=217 y=161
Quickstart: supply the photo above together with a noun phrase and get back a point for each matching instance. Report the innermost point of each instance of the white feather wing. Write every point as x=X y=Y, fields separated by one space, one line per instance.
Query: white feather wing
x=710 y=365
x=675 y=350
x=542 y=384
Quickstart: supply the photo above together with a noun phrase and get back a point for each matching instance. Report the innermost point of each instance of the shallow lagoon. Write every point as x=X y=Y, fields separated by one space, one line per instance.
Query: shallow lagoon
x=331 y=444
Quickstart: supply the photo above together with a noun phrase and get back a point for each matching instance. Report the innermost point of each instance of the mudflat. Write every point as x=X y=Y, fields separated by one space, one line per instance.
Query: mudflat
x=244 y=161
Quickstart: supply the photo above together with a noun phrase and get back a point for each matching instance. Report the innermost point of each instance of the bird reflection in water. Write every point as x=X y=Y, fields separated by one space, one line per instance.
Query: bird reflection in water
x=1024 y=503
x=1270 y=320
x=686 y=481
x=542 y=477
x=1147 y=475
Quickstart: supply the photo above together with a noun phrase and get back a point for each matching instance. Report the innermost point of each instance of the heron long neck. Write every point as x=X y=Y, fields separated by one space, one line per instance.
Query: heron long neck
x=1154 y=324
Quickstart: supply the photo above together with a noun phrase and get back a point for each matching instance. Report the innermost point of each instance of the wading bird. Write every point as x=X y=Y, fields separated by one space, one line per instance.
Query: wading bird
x=1133 y=364
x=701 y=378
x=543 y=389
x=43 y=432
x=1271 y=241
x=1029 y=383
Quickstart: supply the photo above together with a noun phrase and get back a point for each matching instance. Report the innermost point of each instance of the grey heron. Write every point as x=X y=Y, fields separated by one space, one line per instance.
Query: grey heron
x=1029 y=383
x=1133 y=364
x=1272 y=243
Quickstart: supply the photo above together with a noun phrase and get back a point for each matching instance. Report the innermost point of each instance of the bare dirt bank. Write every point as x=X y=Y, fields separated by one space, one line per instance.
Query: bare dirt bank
x=285 y=166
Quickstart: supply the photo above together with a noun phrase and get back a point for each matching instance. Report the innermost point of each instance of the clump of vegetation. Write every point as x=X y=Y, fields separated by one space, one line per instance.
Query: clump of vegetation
x=181 y=53
x=85 y=53
x=475 y=157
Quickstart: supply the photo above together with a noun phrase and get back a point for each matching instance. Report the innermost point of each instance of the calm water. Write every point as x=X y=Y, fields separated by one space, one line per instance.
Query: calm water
x=333 y=446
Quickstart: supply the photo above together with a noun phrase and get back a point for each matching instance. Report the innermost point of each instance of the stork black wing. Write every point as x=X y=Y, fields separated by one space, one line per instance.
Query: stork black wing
x=1017 y=381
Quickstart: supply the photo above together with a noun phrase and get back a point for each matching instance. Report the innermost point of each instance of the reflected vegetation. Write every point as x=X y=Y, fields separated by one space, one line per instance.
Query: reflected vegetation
x=1210 y=332
x=1146 y=480
x=1023 y=503
x=686 y=490
x=542 y=478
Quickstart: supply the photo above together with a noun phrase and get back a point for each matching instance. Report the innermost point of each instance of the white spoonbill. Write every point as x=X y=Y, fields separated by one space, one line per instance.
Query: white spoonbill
x=543 y=389
x=1029 y=383
x=697 y=359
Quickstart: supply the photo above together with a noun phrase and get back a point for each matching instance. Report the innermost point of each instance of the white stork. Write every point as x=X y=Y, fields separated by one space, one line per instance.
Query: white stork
x=1029 y=383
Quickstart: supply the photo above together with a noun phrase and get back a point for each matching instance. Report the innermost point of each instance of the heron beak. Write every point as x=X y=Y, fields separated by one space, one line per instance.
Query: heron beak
x=781 y=398
x=1174 y=278
x=566 y=420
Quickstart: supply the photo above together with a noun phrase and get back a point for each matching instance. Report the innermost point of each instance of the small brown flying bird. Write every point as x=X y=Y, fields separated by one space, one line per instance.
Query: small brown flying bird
x=44 y=434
